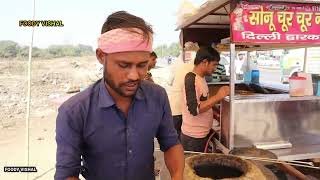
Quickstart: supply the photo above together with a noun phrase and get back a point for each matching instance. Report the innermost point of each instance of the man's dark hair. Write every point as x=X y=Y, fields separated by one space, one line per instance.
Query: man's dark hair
x=206 y=53
x=153 y=54
x=123 y=19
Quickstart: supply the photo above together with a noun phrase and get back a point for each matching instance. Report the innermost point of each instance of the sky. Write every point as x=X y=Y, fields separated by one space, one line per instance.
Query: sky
x=83 y=19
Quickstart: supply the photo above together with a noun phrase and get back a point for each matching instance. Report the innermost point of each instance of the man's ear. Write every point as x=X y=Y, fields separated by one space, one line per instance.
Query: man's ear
x=100 y=56
x=205 y=62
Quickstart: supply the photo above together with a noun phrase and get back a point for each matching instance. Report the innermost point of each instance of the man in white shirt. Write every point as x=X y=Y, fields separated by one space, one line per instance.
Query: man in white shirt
x=175 y=91
x=240 y=65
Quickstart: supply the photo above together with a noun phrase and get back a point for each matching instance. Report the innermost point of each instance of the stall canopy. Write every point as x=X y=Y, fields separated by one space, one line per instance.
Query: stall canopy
x=255 y=24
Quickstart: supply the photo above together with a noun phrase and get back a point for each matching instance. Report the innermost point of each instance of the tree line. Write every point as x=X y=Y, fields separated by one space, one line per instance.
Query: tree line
x=164 y=50
x=10 y=49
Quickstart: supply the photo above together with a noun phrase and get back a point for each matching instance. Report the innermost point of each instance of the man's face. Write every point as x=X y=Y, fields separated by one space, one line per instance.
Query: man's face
x=241 y=56
x=211 y=67
x=124 y=71
x=153 y=62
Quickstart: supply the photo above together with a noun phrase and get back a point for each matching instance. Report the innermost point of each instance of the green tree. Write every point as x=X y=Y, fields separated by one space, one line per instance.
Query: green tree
x=85 y=50
x=11 y=49
x=55 y=51
x=161 y=50
x=172 y=50
x=69 y=50
x=24 y=51
x=37 y=52
x=8 y=49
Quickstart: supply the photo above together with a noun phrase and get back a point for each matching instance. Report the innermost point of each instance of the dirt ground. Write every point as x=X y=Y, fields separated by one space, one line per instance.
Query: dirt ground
x=51 y=79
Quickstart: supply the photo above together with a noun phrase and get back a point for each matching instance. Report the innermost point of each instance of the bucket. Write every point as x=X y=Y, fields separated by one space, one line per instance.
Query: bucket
x=297 y=86
x=255 y=75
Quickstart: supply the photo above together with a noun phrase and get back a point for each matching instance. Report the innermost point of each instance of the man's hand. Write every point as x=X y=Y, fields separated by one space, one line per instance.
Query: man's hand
x=208 y=104
x=223 y=92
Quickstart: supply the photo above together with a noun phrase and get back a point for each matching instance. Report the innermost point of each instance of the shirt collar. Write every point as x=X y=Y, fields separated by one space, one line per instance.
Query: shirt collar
x=105 y=99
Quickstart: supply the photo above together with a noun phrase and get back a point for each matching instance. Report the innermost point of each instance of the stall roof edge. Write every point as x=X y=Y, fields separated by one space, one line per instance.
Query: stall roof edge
x=209 y=8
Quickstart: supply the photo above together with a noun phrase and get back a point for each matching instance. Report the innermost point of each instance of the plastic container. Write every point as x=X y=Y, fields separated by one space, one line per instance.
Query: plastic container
x=247 y=77
x=316 y=84
x=255 y=75
x=308 y=87
x=297 y=86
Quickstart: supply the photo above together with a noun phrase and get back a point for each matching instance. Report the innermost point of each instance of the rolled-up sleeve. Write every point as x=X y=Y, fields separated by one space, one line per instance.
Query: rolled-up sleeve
x=166 y=134
x=69 y=144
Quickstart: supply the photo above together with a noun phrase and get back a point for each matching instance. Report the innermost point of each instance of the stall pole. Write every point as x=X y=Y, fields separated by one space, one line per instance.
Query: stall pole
x=232 y=89
x=305 y=60
x=182 y=46
x=29 y=93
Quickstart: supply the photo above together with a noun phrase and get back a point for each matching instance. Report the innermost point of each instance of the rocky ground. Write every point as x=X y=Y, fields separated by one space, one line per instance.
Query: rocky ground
x=51 y=81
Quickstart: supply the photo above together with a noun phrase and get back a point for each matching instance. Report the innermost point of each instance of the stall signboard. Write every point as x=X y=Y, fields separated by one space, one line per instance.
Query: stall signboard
x=262 y=22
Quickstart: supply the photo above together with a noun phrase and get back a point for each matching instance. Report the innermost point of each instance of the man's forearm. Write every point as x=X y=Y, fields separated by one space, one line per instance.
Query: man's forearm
x=174 y=159
x=208 y=104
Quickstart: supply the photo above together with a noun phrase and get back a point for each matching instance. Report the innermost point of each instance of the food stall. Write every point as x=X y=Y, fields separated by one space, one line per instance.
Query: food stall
x=267 y=117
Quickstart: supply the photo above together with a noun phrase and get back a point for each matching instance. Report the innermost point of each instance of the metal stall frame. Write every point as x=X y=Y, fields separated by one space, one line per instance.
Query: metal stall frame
x=213 y=17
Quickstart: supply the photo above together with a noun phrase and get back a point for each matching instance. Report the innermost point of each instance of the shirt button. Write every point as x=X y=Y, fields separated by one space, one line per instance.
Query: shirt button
x=123 y=163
